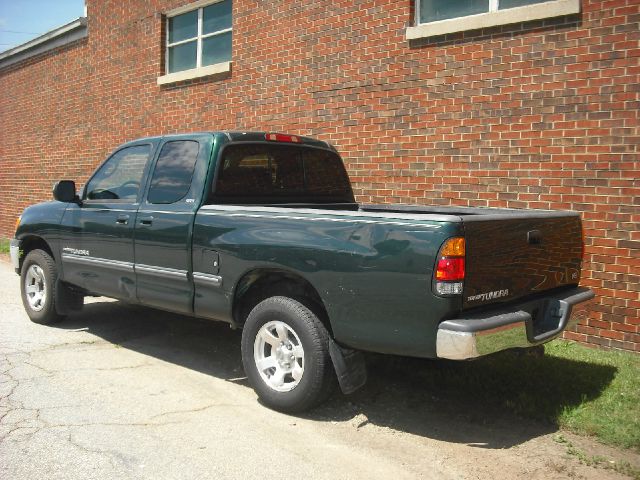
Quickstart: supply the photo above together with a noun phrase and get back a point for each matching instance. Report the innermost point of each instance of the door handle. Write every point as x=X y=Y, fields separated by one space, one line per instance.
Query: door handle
x=122 y=219
x=147 y=221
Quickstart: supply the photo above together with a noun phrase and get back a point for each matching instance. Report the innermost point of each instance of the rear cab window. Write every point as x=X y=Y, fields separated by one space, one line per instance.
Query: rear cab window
x=266 y=173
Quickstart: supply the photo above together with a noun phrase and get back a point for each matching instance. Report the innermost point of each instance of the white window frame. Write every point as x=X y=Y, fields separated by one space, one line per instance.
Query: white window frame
x=495 y=16
x=199 y=70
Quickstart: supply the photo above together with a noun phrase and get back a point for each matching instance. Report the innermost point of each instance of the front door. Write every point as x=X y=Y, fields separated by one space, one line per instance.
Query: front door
x=164 y=224
x=97 y=240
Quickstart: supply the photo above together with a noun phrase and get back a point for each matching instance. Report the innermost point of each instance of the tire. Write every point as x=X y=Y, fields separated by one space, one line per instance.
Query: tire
x=37 y=285
x=292 y=346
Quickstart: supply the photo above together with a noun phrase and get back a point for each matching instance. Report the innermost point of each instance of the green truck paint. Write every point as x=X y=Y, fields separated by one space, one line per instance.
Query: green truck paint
x=367 y=271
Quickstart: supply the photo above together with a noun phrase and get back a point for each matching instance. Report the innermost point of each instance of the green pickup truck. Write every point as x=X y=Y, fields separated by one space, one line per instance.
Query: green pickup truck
x=261 y=230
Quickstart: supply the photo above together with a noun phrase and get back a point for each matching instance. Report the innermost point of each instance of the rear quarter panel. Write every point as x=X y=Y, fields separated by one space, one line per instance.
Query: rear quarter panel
x=373 y=275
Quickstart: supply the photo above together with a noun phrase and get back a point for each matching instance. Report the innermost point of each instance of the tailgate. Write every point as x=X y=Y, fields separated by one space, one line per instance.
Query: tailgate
x=511 y=256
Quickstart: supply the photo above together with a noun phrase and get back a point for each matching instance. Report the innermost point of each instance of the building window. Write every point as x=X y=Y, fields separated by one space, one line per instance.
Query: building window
x=439 y=17
x=199 y=38
x=434 y=10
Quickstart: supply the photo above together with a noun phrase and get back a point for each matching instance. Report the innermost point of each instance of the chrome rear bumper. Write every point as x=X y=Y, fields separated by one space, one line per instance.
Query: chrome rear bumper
x=522 y=325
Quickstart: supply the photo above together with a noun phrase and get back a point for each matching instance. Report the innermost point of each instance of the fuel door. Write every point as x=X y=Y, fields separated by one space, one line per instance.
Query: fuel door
x=210 y=262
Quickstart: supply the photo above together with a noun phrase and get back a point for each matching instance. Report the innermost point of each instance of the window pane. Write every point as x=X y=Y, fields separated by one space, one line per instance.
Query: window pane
x=517 y=3
x=216 y=49
x=432 y=10
x=119 y=177
x=216 y=17
x=325 y=174
x=182 y=57
x=172 y=176
x=182 y=27
x=281 y=174
x=245 y=173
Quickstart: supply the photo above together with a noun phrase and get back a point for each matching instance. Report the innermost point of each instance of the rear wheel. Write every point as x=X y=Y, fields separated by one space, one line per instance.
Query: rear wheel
x=285 y=353
x=38 y=280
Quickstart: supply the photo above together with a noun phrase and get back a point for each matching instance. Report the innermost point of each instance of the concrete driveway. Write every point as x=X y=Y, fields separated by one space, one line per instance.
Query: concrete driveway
x=126 y=392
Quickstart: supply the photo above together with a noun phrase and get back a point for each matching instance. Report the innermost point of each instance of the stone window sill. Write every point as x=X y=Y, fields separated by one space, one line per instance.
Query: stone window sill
x=552 y=8
x=215 y=69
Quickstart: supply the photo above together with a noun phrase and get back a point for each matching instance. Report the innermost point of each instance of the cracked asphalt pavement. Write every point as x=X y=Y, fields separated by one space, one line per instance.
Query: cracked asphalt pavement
x=118 y=391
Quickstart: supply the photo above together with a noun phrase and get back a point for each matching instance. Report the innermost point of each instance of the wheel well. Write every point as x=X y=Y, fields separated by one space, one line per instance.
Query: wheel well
x=258 y=285
x=31 y=243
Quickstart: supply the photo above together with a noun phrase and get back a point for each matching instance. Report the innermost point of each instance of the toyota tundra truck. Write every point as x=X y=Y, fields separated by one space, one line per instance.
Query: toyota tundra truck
x=262 y=231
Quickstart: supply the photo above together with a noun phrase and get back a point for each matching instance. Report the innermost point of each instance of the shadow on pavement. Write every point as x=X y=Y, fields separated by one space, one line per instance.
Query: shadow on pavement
x=481 y=403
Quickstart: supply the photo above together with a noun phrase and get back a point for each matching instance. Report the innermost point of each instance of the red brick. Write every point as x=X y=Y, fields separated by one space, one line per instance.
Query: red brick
x=534 y=115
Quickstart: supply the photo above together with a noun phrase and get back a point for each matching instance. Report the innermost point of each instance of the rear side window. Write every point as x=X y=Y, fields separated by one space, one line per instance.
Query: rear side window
x=120 y=176
x=174 y=169
x=281 y=174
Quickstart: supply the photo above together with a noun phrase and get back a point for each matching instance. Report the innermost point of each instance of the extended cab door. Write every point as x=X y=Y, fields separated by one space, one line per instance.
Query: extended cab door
x=97 y=235
x=164 y=223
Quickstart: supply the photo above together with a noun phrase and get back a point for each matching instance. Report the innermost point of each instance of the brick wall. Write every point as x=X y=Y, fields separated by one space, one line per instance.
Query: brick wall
x=535 y=115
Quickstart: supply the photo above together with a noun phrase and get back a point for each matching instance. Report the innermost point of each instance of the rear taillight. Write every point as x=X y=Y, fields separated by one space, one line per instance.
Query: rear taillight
x=449 y=273
x=450 y=269
x=281 y=137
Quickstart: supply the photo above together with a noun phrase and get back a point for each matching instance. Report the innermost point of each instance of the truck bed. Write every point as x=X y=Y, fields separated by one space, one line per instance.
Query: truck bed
x=494 y=213
x=511 y=253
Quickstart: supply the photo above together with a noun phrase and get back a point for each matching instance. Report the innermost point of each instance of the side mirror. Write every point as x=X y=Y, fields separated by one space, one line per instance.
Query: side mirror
x=65 y=191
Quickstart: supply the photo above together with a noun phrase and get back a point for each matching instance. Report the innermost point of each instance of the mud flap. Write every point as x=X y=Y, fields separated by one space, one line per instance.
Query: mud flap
x=67 y=300
x=350 y=367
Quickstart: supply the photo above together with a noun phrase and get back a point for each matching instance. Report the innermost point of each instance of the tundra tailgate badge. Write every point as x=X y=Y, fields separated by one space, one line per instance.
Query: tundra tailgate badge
x=489 y=295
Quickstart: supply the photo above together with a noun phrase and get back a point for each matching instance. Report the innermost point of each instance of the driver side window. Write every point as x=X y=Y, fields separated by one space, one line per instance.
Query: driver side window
x=119 y=177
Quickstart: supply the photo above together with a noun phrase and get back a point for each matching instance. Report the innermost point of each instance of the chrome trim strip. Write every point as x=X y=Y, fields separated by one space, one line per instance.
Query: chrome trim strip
x=100 y=262
x=316 y=219
x=207 y=279
x=93 y=203
x=163 y=272
x=331 y=215
x=151 y=212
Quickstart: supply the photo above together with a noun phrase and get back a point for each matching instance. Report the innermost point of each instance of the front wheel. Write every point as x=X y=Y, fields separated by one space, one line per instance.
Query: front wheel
x=285 y=353
x=37 y=284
